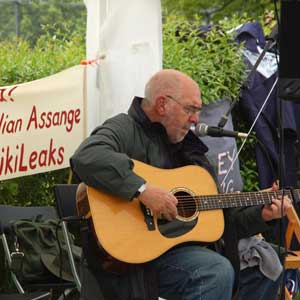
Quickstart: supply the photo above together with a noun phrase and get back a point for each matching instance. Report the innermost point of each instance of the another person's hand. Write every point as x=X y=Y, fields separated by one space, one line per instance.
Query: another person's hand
x=274 y=211
x=159 y=201
x=277 y=209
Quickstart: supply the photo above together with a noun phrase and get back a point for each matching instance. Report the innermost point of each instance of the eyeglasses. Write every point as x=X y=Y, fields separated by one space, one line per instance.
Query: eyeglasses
x=188 y=109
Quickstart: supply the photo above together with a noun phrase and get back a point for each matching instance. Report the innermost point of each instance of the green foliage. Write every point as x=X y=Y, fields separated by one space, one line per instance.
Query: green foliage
x=34 y=14
x=211 y=58
x=32 y=190
x=21 y=62
x=8 y=191
x=211 y=11
x=248 y=167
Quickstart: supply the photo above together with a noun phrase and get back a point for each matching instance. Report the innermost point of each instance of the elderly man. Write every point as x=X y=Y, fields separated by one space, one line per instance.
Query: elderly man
x=156 y=131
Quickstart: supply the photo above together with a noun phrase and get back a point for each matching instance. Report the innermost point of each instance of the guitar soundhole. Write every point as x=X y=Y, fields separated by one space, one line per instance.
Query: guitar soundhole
x=187 y=216
x=186 y=205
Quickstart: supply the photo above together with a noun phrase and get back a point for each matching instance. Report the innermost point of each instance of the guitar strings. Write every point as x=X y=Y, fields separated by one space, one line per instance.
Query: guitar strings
x=262 y=195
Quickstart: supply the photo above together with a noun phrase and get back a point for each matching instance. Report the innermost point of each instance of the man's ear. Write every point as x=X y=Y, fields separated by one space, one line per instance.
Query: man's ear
x=160 y=105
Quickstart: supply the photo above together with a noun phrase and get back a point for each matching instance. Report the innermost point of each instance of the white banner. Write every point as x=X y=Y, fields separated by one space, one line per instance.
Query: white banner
x=41 y=123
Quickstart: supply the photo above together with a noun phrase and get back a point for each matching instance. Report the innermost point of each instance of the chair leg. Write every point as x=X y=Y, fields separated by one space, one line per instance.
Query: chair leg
x=47 y=294
x=71 y=259
x=8 y=258
x=65 y=294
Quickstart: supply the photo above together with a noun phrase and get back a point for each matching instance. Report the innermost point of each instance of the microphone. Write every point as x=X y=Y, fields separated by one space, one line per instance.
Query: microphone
x=202 y=129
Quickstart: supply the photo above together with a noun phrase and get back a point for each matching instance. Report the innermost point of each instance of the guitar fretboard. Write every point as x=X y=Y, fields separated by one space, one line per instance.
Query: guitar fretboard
x=240 y=199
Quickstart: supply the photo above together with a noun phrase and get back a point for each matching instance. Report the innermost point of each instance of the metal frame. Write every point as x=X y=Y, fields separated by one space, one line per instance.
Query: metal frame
x=13 y=275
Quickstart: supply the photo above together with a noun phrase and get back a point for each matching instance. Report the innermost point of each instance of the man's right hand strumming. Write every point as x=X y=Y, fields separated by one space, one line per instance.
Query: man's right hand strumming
x=159 y=201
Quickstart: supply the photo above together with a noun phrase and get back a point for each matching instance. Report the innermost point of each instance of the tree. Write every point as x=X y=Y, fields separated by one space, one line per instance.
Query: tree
x=29 y=17
x=211 y=11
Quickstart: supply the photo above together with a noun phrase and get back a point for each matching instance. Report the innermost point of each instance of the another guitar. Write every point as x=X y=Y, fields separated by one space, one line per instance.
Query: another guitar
x=128 y=231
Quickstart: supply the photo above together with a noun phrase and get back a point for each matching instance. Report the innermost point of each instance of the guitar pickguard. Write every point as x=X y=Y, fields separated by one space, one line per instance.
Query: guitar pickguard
x=187 y=214
x=175 y=228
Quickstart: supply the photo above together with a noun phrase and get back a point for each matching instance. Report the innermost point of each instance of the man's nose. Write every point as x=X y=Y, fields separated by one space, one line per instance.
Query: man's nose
x=194 y=118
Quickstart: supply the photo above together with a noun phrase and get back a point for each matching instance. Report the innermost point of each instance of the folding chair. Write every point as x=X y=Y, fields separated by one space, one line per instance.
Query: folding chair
x=41 y=290
x=65 y=196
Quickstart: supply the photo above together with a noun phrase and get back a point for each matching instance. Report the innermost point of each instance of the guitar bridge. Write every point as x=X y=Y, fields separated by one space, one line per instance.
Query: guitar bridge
x=148 y=217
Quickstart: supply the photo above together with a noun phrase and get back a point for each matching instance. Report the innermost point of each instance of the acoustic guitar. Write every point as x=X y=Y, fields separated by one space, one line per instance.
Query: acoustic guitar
x=128 y=231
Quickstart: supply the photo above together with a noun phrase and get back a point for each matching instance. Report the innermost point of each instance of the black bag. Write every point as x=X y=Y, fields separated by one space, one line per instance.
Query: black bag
x=33 y=238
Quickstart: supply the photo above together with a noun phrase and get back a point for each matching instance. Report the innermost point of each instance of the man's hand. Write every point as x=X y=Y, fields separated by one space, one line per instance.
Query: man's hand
x=161 y=202
x=277 y=209
x=274 y=210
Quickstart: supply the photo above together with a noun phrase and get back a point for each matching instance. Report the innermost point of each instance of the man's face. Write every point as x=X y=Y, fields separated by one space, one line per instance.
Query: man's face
x=181 y=113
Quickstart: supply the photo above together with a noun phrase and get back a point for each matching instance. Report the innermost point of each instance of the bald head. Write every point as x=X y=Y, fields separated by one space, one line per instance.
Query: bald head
x=173 y=99
x=168 y=82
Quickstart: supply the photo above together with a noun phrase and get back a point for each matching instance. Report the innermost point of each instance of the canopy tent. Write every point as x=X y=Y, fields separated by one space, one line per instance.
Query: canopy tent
x=124 y=42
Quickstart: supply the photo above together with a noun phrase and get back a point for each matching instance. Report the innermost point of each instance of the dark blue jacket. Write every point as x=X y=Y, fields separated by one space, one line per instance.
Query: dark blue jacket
x=266 y=127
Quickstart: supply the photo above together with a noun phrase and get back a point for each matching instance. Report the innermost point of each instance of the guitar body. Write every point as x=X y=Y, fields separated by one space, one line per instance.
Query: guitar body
x=120 y=224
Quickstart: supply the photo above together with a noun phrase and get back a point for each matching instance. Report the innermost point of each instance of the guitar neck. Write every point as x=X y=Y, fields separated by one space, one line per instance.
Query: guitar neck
x=240 y=199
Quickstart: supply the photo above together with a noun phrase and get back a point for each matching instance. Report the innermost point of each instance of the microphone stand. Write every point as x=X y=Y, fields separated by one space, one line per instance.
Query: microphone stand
x=271 y=39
